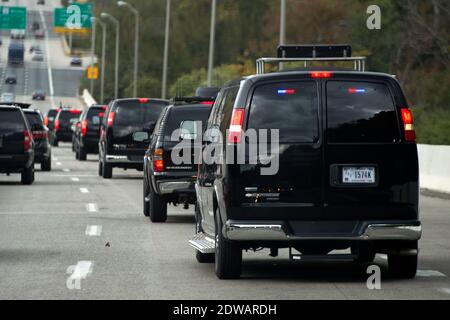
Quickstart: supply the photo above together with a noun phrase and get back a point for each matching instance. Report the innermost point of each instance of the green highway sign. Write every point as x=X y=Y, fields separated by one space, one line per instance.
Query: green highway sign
x=13 y=18
x=74 y=18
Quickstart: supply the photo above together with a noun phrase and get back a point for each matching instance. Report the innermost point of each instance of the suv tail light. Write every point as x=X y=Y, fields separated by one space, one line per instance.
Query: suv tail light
x=144 y=100
x=408 y=125
x=207 y=103
x=27 y=140
x=46 y=121
x=40 y=135
x=57 y=125
x=111 y=117
x=235 y=130
x=84 y=127
x=158 y=161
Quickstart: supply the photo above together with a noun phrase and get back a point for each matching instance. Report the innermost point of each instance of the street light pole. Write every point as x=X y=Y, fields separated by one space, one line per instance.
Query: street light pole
x=212 y=37
x=105 y=15
x=102 y=72
x=166 y=51
x=136 y=44
x=94 y=22
x=282 y=27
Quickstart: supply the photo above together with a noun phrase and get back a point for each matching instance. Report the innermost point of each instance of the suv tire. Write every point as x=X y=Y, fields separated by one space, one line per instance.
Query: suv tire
x=402 y=266
x=107 y=171
x=46 y=165
x=228 y=257
x=82 y=155
x=55 y=142
x=100 y=168
x=27 y=176
x=158 y=207
x=146 y=195
x=201 y=257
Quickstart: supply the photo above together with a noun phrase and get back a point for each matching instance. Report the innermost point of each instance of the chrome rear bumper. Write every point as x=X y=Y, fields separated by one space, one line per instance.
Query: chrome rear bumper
x=278 y=231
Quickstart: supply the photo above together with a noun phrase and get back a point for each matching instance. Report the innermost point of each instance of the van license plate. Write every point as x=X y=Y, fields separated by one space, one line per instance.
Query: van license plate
x=362 y=175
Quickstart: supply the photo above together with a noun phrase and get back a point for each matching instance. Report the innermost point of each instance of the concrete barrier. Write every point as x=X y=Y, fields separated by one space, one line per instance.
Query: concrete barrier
x=434 y=164
x=87 y=98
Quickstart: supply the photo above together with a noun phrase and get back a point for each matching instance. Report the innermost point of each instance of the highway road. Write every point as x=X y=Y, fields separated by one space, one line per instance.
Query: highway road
x=73 y=235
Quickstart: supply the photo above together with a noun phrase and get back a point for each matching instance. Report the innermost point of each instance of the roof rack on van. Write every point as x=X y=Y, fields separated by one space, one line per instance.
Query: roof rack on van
x=191 y=100
x=310 y=53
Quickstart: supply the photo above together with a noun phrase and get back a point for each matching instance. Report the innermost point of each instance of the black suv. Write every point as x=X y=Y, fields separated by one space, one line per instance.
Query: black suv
x=344 y=174
x=42 y=148
x=49 y=122
x=126 y=128
x=16 y=144
x=64 y=121
x=177 y=132
x=87 y=132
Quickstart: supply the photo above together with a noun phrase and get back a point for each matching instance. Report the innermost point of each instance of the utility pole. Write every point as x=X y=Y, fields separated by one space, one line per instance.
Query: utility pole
x=212 y=36
x=166 y=51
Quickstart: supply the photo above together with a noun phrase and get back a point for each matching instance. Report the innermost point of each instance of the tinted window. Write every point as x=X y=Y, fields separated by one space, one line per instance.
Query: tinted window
x=11 y=121
x=137 y=114
x=34 y=119
x=291 y=107
x=95 y=116
x=68 y=117
x=179 y=114
x=360 y=112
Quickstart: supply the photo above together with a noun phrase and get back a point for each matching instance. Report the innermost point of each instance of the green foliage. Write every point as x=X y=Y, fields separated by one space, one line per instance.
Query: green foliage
x=432 y=127
x=413 y=44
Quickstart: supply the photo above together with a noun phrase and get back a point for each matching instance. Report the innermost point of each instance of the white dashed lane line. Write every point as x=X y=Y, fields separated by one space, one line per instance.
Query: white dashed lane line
x=58 y=163
x=75 y=179
x=94 y=231
x=92 y=207
x=84 y=190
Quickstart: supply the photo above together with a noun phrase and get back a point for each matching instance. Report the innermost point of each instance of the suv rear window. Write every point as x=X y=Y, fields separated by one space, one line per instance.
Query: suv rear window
x=68 y=117
x=95 y=116
x=290 y=107
x=137 y=114
x=34 y=119
x=361 y=112
x=178 y=115
x=11 y=121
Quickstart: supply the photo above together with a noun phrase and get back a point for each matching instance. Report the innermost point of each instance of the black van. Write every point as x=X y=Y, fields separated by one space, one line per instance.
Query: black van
x=125 y=132
x=177 y=132
x=345 y=169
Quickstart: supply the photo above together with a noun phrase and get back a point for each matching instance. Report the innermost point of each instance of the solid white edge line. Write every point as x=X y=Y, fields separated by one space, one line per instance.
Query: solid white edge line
x=49 y=67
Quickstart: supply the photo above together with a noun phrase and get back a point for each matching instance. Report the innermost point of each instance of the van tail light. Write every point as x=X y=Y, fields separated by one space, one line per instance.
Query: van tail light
x=408 y=125
x=27 y=140
x=84 y=127
x=158 y=161
x=57 y=125
x=235 y=130
x=111 y=117
x=207 y=103
x=320 y=74
x=46 y=121
x=40 y=135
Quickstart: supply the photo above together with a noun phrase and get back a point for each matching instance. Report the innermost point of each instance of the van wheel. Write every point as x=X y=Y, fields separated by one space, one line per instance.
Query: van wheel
x=403 y=266
x=201 y=257
x=107 y=171
x=228 y=257
x=46 y=165
x=82 y=155
x=158 y=207
x=27 y=176
x=146 y=195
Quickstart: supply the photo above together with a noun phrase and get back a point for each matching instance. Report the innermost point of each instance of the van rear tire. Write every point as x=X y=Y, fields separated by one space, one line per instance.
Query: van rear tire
x=403 y=266
x=228 y=257
x=82 y=155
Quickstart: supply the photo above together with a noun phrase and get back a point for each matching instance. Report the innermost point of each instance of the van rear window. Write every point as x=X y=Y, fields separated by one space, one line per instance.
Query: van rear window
x=290 y=107
x=360 y=112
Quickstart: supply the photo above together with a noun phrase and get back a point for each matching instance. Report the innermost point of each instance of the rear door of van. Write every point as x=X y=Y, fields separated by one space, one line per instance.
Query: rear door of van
x=372 y=172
